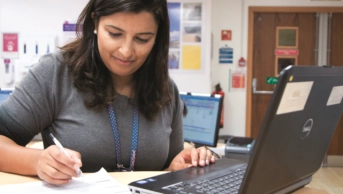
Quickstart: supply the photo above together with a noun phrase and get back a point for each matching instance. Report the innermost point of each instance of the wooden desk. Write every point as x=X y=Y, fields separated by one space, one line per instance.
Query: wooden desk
x=324 y=182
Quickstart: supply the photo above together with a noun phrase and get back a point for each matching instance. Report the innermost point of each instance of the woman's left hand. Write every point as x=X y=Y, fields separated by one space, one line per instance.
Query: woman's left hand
x=191 y=157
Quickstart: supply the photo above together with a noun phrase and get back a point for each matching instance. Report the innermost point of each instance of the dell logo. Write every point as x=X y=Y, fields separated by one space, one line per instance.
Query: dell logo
x=306 y=128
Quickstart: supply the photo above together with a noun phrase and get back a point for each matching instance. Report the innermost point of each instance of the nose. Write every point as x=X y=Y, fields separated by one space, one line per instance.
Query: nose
x=127 y=48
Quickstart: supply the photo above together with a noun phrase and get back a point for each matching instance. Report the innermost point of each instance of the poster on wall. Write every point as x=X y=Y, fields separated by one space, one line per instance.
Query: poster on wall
x=69 y=31
x=186 y=36
x=10 y=43
x=225 y=55
x=238 y=80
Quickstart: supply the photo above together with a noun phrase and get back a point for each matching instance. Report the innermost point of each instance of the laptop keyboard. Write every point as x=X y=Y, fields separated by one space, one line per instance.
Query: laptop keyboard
x=229 y=183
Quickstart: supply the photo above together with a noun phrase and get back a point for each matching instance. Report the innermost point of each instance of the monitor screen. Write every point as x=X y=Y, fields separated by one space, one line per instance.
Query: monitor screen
x=4 y=93
x=202 y=121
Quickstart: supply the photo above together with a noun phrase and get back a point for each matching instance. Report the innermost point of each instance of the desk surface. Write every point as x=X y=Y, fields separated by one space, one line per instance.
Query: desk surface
x=325 y=180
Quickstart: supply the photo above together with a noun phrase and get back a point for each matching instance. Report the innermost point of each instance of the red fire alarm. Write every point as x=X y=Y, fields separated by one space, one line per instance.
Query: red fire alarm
x=242 y=62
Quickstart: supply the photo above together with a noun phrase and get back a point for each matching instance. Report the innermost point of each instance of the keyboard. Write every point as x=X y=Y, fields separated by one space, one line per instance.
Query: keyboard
x=229 y=183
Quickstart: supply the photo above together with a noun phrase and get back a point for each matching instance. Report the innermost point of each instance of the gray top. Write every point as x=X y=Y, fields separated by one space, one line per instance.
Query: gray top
x=46 y=101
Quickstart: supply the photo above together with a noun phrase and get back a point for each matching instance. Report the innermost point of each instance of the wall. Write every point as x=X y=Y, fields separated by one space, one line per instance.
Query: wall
x=194 y=81
x=47 y=17
x=227 y=15
x=233 y=15
x=35 y=20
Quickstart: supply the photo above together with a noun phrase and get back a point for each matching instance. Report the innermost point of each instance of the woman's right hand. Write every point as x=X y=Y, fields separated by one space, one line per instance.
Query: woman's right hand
x=55 y=167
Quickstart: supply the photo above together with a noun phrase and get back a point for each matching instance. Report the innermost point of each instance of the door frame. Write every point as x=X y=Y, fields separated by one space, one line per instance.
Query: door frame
x=252 y=11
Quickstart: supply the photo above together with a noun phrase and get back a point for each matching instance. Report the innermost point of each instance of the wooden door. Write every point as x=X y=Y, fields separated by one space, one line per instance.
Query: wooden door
x=261 y=35
x=335 y=58
x=264 y=56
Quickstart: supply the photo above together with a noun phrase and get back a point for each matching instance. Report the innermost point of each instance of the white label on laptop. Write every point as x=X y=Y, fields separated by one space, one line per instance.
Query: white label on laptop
x=335 y=96
x=294 y=97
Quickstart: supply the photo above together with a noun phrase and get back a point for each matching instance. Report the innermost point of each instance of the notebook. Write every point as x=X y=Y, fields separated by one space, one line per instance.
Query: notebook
x=295 y=135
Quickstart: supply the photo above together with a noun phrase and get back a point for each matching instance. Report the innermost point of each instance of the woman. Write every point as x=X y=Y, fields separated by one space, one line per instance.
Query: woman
x=106 y=96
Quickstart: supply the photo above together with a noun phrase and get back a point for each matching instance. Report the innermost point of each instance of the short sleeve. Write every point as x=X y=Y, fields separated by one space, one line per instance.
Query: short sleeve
x=29 y=109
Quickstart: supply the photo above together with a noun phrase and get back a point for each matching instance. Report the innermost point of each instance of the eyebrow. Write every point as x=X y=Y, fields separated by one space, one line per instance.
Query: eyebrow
x=141 y=33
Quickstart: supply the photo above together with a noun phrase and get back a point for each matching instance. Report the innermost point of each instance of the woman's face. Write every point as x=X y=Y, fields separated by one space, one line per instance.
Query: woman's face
x=125 y=41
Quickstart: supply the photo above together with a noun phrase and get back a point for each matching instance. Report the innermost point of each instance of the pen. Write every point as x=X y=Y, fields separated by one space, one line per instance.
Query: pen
x=59 y=145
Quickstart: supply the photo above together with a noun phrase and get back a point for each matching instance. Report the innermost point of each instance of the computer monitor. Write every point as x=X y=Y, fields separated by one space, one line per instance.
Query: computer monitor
x=4 y=93
x=202 y=121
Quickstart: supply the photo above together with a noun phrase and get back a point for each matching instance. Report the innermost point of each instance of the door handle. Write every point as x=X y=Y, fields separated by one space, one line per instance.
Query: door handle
x=254 y=86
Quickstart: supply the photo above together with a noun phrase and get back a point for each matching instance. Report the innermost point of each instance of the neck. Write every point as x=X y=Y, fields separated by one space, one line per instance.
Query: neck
x=123 y=85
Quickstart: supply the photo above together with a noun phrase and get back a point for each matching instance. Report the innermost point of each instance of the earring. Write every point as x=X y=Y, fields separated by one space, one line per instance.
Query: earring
x=95 y=32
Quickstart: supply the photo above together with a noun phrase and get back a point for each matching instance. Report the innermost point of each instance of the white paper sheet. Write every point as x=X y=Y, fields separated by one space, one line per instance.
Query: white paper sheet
x=336 y=96
x=99 y=182
x=294 y=97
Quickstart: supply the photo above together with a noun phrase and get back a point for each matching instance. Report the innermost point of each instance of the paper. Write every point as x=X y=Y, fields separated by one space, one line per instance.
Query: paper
x=220 y=150
x=294 y=97
x=336 y=96
x=99 y=182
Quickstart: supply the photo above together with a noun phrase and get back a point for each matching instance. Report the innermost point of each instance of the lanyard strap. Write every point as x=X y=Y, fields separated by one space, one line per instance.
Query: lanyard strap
x=134 y=140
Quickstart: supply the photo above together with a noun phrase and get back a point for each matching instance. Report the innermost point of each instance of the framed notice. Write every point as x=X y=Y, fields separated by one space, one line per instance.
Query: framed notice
x=10 y=45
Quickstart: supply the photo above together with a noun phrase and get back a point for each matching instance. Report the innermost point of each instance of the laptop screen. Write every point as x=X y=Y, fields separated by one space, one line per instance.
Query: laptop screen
x=201 y=123
x=4 y=93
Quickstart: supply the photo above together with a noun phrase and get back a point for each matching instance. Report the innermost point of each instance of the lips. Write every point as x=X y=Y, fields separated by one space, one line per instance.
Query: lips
x=123 y=62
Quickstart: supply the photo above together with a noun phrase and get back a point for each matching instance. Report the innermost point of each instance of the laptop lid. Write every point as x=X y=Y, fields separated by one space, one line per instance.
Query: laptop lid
x=296 y=132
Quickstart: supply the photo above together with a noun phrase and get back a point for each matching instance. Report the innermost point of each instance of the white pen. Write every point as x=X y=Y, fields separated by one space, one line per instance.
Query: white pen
x=59 y=145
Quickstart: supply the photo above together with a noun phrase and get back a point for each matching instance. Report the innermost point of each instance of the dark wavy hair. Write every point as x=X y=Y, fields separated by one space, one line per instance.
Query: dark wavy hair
x=151 y=80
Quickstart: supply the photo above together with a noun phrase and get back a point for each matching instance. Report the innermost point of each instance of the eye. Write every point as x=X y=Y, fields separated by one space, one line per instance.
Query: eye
x=114 y=34
x=142 y=40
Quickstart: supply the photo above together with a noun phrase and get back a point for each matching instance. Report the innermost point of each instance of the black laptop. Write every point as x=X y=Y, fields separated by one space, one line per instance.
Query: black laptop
x=295 y=135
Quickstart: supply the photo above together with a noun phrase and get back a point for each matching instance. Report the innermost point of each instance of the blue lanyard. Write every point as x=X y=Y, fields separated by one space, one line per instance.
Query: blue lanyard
x=134 y=140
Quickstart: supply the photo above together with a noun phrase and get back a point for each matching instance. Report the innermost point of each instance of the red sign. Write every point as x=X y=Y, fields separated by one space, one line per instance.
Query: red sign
x=238 y=80
x=226 y=34
x=287 y=52
x=10 y=42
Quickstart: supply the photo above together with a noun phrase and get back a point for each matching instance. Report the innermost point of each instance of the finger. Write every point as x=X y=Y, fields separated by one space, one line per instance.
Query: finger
x=76 y=156
x=202 y=156
x=63 y=163
x=53 y=180
x=194 y=156
x=208 y=156
x=213 y=159
x=50 y=173
x=77 y=161
x=59 y=170
x=212 y=156
x=186 y=155
x=57 y=173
